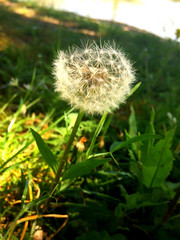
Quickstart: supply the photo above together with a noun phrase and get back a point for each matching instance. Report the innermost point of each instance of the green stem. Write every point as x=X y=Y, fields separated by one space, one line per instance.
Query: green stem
x=66 y=152
x=98 y=129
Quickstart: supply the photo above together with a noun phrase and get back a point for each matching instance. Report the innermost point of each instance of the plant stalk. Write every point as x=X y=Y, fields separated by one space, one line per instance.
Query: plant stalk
x=66 y=152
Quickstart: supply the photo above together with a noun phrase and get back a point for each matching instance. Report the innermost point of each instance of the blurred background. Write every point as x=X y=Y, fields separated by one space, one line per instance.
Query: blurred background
x=161 y=17
x=31 y=33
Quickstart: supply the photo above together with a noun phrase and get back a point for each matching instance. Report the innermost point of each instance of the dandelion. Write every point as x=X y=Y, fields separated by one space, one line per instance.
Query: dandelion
x=93 y=79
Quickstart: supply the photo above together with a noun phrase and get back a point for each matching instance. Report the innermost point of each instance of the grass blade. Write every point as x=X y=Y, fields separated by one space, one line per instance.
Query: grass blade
x=98 y=129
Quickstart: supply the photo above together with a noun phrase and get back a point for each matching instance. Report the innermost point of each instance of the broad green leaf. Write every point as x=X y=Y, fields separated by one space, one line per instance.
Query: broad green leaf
x=83 y=168
x=140 y=149
x=158 y=162
x=45 y=151
x=138 y=200
x=118 y=145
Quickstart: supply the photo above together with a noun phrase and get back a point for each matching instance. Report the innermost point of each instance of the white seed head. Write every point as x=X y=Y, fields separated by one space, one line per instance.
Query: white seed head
x=92 y=78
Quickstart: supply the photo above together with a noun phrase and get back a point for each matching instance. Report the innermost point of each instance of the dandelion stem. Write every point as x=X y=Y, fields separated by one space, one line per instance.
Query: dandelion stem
x=66 y=152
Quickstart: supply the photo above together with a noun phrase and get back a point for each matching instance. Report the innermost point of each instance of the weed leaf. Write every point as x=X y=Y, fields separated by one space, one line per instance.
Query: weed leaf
x=45 y=151
x=158 y=162
x=144 y=137
x=83 y=168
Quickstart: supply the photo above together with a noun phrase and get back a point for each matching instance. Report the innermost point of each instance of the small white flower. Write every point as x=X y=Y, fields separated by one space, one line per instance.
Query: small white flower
x=172 y=119
x=27 y=86
x=94 y=79
x=14 y=82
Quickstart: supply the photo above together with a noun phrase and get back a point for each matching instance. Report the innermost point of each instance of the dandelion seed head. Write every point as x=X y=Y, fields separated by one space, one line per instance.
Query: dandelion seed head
x=94 y=79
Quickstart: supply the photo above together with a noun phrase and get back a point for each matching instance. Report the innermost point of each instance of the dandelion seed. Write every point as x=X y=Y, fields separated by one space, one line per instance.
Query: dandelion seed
x=86 y=62
x=111 y=62
x=93 y=79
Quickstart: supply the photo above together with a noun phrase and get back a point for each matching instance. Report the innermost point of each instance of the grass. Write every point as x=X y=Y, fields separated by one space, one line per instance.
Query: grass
x=114 y=201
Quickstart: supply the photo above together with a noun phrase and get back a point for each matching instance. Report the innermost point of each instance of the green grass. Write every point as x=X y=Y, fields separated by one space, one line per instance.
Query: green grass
x=114 y=201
